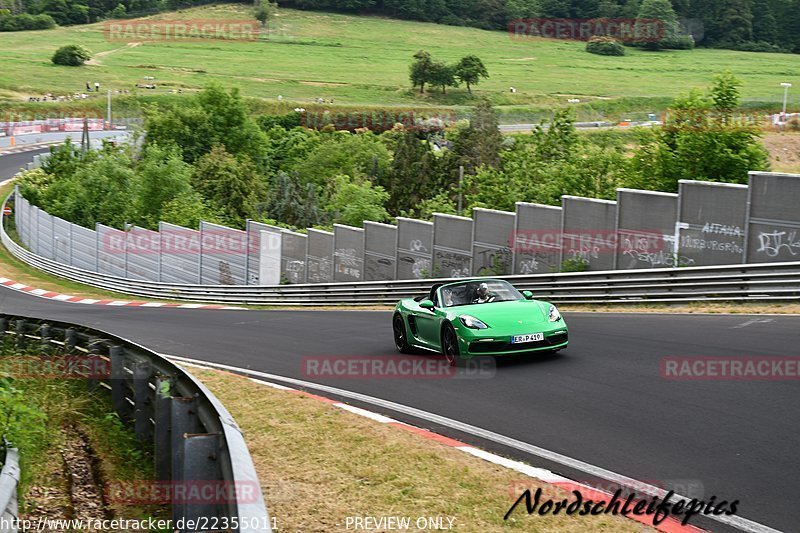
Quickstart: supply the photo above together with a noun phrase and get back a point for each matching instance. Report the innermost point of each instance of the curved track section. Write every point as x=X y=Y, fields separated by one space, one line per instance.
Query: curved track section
x=603 y=401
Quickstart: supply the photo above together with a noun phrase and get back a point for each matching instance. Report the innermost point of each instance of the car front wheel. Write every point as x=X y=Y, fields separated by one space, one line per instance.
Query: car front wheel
x=450 y=346
x=400 y=338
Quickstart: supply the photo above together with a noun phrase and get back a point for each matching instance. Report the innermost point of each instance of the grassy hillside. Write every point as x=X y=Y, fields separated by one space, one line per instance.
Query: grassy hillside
x=364 y=60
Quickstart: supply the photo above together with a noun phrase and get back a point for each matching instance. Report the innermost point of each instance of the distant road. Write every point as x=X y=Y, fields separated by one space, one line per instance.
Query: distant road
x=12 y=163
x=57 y=136
x=524 y=128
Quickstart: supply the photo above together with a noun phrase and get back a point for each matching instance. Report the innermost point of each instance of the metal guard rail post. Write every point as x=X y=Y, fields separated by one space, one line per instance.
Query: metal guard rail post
x=741 y=282
x=193 y=437
x=9 y=480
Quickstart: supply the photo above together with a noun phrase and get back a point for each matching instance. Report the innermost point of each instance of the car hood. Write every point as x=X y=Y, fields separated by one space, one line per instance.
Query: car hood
x=502 y=314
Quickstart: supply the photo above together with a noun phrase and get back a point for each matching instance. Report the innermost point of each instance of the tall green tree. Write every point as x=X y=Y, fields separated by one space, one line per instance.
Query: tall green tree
x=442 y=75
x=470 y=70
x=161 y=175
x=478 y=144
x=294 y=203
x=415 y=174
x=421 y=69
x=357 y=200
x=214 y=116
x=231 y=184
x=662 y=11
x=700 y=141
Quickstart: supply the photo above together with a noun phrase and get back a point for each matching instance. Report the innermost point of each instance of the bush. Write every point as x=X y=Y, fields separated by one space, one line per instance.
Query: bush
x=287 y=121
x=678 y=42
x=26 y=21
x=71 y=55
x=605 y=46
x=119 y=12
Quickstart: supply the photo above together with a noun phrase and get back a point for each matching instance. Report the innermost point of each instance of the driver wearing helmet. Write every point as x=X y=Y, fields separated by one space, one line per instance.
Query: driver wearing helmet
x=482 y=294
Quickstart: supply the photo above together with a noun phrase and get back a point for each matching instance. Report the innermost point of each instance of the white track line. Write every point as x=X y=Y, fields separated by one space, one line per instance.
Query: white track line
x=737 y=522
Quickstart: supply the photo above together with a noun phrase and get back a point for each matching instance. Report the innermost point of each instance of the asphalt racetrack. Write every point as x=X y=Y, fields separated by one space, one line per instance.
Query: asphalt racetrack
x=602 y=401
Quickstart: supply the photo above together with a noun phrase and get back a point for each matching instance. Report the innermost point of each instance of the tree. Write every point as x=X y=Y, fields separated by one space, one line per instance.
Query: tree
x=725 y=94
x=470 y=70
x=737 y=19
x=360 y=154
x=700 y=141
x=414 y=176
x=442 y=75
x=265 y=12
x=420 y=70
x=357 y=200
x=230 y=183
x=479 y=143
x=522 y=9
x=187 y=209
x=119 y=11
x=100 y=190
x=662 y=11
x=71 y=55
x=293 y=203
x=161 y=176
x=212 y=117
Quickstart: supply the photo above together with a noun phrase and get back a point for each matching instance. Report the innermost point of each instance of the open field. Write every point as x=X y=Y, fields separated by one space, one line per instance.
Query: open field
x=364 y=61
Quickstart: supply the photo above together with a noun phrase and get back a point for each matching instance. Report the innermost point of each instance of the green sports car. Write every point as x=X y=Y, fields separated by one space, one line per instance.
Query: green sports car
x=470 y=317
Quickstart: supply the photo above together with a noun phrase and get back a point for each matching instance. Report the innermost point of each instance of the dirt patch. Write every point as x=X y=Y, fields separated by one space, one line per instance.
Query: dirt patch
x=95 y=61
x=71 y=491
x=784 y=151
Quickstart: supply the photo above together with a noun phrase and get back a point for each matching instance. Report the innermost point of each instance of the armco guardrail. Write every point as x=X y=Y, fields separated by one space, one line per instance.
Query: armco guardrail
x=754 y=282
x=9 y=479
x=197 y=447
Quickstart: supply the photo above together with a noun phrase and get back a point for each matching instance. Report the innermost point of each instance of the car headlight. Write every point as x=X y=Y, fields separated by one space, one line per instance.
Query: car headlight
x=471 y=322
x=554 y=315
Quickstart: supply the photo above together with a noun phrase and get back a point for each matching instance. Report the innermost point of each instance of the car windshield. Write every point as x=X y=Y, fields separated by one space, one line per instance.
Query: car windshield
x=478 y=292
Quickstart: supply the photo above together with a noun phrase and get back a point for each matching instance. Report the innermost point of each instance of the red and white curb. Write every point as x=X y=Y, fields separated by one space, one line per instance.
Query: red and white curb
x=670 y=525
x=50 y=295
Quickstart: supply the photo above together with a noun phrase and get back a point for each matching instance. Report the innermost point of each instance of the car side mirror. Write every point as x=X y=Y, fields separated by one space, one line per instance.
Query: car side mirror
x=528 y=295
x=427 y=304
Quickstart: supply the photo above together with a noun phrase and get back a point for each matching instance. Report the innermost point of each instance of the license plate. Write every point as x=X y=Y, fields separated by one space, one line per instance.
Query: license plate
x=530 y=337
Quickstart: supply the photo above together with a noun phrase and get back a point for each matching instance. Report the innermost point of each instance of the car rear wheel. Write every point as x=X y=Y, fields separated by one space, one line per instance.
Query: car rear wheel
x=450 y=346
x=400 y=338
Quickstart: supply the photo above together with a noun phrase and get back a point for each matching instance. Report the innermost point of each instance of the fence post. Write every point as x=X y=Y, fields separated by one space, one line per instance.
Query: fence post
x=44 y=333
x=69 y=339
x=119 y=383
x=142 y=399
x=200 y=465
x=3 y=328
x=162 y=416
x=96 y=370
x=20 y=331
x=183 y=420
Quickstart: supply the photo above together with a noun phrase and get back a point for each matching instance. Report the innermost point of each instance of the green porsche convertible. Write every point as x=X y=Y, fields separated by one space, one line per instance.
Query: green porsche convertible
x=470 y=317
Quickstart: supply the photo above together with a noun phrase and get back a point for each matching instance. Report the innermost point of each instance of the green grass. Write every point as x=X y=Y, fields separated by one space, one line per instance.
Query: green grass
x=362 y=61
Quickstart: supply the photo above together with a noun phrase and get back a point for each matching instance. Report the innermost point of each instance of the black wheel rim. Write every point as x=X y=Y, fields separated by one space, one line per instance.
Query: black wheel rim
x=450 y=350
x=399 y=334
